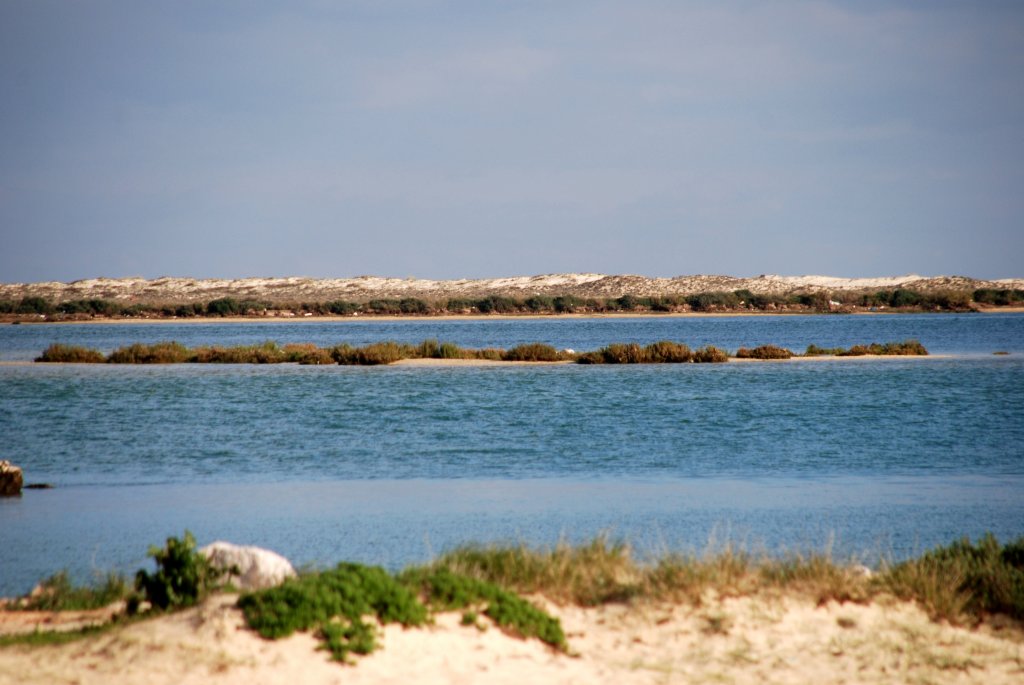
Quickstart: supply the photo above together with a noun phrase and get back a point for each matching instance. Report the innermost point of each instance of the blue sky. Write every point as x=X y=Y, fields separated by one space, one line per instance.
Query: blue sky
x=476 y=139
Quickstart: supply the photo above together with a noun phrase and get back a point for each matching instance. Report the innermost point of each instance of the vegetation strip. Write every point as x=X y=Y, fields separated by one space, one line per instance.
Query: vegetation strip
x=720 y=301
x=389 y=352
x=964 y=583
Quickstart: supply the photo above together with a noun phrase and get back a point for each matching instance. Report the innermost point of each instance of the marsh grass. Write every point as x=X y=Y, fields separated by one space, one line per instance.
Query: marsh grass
x=169 y=352
x=764 y=352
x=390 y=351
x=70 y=354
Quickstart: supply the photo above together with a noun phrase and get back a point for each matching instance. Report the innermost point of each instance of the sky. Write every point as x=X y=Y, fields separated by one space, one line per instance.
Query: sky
x=474 y=139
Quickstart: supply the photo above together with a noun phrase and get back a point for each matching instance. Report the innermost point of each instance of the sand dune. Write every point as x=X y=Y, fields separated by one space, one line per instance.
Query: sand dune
x=364 y=288
x=764 y=639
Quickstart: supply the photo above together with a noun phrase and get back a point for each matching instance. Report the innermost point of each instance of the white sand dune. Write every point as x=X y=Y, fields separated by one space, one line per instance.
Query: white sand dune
x=363 y=288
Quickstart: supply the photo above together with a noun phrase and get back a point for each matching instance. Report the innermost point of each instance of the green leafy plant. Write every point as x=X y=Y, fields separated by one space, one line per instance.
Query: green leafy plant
x=183 y=575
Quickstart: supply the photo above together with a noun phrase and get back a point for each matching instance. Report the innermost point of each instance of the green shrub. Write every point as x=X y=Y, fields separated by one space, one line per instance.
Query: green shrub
x=447 y=590
x=964 y=579
x=183 y=575
x=709 y=354
x=70 y=354
x=225 y=306
x=157 y=353
x=334 y=603
x=34 y=305
x=764 y=352
x=707 y=302
x=341 y=307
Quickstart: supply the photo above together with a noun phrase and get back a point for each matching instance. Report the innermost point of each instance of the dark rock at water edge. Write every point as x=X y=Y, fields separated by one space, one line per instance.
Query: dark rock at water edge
x=11 y=479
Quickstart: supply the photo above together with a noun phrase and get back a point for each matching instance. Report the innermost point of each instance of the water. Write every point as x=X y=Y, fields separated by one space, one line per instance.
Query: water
x=393 y=464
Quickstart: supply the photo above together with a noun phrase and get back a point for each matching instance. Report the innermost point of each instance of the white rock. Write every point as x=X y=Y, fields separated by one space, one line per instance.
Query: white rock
x=257 y=568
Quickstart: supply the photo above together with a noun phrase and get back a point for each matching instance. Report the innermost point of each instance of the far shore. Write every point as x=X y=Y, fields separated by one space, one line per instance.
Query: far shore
x=477 y=317
x=421 y=363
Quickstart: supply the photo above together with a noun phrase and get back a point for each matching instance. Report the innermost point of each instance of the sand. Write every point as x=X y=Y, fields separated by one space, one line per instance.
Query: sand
x=364 y=288
x=780 y=639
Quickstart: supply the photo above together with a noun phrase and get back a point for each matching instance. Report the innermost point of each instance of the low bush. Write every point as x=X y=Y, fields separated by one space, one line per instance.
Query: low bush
x=306 y=353
x=531 y=352
x=709 y=354
x=815 y=351
x=764 y=352
x=446 y=590
x=336 y=603
x=183 y=576
x=668 y=352
x=157 y=353
x=964 y=580
x=70 y=354
x=373 y=354
x=266 y=353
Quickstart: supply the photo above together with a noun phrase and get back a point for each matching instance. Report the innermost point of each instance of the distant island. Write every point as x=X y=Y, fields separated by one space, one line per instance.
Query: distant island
x=581 y=294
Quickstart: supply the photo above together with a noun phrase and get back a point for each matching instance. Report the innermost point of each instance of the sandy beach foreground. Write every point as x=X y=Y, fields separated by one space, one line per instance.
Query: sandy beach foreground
x=759 y=639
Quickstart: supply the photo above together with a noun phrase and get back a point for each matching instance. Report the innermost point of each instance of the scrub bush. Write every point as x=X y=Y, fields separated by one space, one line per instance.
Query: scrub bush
x=709 y=354
x=764 y=352
x=157 y=353
x=70 y=354
x=532 y=352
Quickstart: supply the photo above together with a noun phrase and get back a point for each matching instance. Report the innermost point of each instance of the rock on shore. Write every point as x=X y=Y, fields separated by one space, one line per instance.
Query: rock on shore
x=11 y=479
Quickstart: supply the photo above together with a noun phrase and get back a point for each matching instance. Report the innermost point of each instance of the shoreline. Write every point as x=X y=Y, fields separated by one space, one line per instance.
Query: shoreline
x=483 y=317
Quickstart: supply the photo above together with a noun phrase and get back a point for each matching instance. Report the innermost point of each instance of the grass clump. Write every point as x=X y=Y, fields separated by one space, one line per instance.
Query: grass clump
x=183 y=575
x=158 y=353
x=587 y=575
x=58 y=593
x=70 y=354
x=964 y=580
x=764 y=352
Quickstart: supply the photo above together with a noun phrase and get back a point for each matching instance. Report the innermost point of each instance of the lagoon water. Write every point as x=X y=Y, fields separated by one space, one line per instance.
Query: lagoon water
x=390 y=465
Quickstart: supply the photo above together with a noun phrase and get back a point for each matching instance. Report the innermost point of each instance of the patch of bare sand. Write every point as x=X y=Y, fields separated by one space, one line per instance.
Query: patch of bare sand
x=739 y=640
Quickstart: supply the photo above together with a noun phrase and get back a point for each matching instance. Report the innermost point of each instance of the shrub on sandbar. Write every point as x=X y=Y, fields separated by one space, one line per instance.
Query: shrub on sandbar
x=532 y=352
x=158 y=353
x=266 y=353
x=70 y=354
x=373 y=354
x=764 y=352
x=709 y=354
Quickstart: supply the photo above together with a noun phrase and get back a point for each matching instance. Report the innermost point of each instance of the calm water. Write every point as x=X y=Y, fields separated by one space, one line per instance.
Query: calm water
x=391 y=465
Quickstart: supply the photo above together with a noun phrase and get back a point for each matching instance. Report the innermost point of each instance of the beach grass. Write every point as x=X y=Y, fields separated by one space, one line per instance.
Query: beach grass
x=964 y=583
